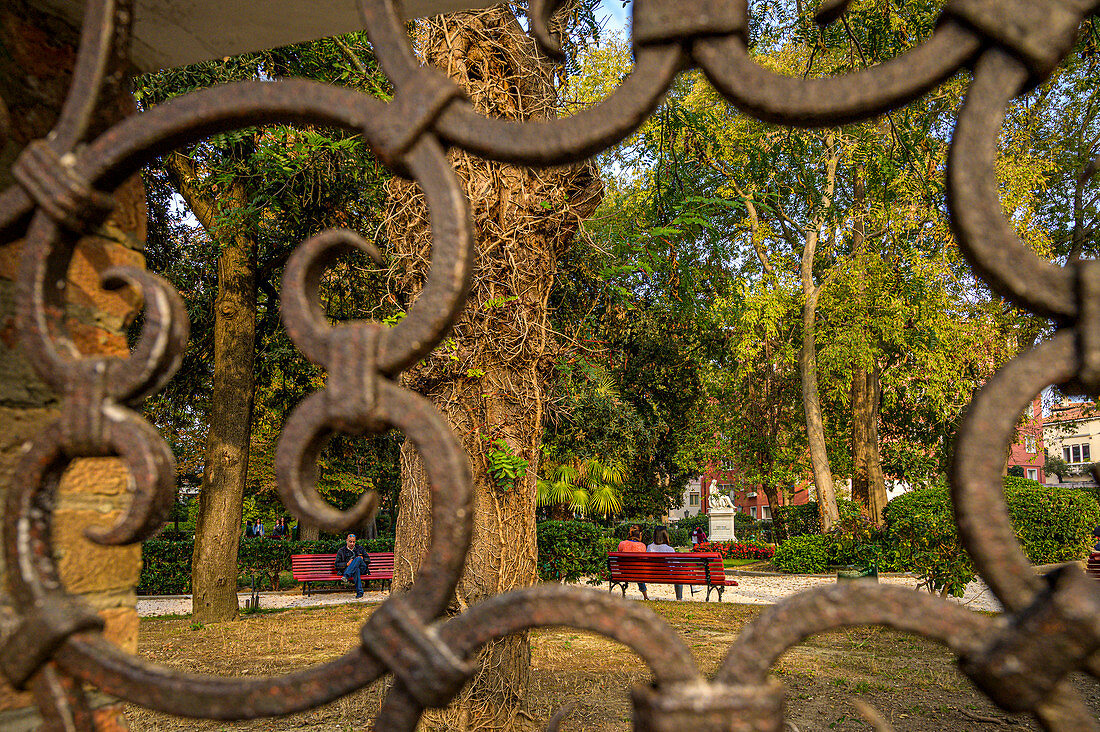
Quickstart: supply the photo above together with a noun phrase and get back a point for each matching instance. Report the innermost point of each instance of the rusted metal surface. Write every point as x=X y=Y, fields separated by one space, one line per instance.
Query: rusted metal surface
x=1051 y=626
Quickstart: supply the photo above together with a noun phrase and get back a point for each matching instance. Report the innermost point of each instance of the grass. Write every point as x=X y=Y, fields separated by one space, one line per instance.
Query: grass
x=739 y=562
x=913 y=682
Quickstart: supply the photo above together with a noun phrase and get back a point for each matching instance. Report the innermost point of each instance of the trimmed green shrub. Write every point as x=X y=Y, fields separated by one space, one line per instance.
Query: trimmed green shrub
x=569 y=550
x=165 y=567
x=687 y=525
x=791 y=521
x=806 y=554
x=1053 y=525
x=920 y=526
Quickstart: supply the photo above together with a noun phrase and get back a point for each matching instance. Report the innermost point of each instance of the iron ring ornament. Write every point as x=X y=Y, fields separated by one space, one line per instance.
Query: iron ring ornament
x=62 y=192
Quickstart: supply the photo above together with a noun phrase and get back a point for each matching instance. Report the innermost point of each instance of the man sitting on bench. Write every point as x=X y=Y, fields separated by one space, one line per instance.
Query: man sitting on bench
x=353 y=562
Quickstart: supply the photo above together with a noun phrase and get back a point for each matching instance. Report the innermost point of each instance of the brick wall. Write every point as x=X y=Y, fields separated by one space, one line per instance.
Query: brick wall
x=36 y=57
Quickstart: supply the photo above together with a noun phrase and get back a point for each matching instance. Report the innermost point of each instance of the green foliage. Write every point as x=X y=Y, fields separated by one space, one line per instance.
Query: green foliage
x=921 y=528
x=806 y=554
x=1053 y=525
x=583 y=487
x=505 y=466
x=165 y=567
x=791 y=521
x=569 y=550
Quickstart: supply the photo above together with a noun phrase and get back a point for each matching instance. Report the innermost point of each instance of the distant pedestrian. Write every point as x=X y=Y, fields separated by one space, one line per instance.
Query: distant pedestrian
x=660 y=544
x=249 y=529
x=633 y=543
x=258 y=529
x=278 y=531
x=698 y=536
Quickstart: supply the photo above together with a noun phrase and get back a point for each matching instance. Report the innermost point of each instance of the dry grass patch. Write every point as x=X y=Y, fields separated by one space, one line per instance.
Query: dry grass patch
x=913 y=682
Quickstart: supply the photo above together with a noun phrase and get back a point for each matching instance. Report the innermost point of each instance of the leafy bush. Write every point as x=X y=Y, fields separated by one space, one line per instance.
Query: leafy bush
x=920 y=526
x=165 y=567
x=858 y=541
x=736 y=550
x=806 y=554
x=687 y=525
x=1052 y=524
x=569 y=550
x=791 y=521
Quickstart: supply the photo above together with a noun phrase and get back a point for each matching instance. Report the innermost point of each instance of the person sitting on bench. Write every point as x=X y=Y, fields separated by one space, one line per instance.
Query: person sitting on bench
x=353 y=562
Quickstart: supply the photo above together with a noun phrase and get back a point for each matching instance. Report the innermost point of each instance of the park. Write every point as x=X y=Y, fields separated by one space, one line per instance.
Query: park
x=552 y=365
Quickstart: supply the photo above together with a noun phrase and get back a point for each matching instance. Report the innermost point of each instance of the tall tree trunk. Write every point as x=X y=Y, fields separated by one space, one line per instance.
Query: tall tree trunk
x=868 y=482
x=811 y=405
x=489 y=378
x=807 y=357
x=225 y=465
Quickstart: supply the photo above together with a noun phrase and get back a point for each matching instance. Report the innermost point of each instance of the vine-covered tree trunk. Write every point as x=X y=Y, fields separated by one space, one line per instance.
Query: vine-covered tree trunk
x=489 y=378
x=225 y=466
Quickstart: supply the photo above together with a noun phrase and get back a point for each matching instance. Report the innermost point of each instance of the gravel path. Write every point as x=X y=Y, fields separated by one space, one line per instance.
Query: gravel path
x=751 y=590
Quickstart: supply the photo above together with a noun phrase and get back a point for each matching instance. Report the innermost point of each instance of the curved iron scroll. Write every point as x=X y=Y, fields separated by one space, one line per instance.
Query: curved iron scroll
x=1051 y=626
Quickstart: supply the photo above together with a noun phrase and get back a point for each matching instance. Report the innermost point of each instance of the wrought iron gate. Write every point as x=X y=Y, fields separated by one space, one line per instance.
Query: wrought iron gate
x=1051 y=626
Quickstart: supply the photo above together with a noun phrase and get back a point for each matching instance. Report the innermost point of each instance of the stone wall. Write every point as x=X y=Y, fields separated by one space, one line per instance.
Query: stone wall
x=37 y=53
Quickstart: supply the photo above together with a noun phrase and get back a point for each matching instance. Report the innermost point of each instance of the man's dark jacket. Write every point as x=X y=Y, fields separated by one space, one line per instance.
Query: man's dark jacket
x=345 y=555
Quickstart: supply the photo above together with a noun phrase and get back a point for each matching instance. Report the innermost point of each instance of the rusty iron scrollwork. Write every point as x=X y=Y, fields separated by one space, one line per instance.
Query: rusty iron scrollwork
x=1051 y=624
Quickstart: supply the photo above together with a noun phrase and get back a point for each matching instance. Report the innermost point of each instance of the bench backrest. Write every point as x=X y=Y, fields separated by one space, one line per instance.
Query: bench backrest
x=685 y=568
x=1093 y=565
x=321 y=566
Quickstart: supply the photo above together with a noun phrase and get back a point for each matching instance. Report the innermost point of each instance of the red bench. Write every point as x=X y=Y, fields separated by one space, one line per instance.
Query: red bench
x=310 y=568
x=1093 y=566
x=696 y=568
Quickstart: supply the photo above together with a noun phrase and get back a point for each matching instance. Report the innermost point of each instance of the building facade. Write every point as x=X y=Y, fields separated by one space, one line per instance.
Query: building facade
x=1072 y=432
x=1028 y=452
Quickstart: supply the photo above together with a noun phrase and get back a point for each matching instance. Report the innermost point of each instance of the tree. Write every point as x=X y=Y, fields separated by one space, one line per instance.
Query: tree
x=255 y=194
x=490 y=379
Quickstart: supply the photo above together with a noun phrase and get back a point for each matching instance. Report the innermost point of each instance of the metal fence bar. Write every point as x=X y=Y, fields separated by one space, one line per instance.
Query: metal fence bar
x=1051 y=626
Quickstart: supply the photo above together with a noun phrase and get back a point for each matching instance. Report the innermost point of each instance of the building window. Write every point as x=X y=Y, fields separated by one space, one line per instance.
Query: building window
x=693 y=499
x=766 y=512
x=728 y=465
x=752 y=511
x=1077 y=453
x=1033 y=473
x=1029 y=443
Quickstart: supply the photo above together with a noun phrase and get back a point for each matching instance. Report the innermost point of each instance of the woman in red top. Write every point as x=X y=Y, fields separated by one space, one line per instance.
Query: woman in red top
x=633 y=543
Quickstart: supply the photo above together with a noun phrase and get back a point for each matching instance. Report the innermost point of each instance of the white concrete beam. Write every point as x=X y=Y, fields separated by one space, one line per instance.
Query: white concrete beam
x=170 y=33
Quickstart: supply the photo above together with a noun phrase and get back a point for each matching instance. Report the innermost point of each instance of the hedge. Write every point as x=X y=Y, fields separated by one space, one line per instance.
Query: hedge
x=166 y=564
x=806 y=554
x=569 y=550
x=790 y=521
x=1052 y=524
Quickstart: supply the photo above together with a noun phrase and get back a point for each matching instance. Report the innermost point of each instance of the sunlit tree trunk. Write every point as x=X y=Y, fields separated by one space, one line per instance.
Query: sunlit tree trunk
x=225 y=466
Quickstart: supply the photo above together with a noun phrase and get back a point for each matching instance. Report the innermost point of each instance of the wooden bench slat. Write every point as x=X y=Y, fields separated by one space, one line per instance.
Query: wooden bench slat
x=1093 y=565
x=308 y=568
x=697 y=568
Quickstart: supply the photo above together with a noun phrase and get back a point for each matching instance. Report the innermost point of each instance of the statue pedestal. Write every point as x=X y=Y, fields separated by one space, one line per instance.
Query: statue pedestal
x=721 y=524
